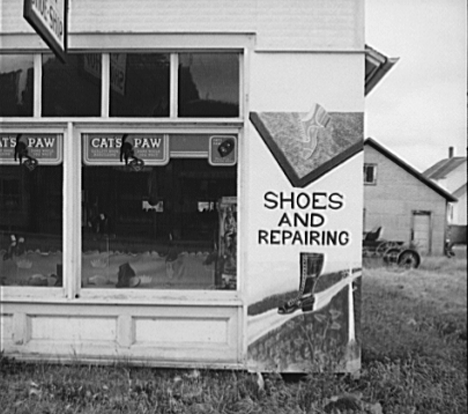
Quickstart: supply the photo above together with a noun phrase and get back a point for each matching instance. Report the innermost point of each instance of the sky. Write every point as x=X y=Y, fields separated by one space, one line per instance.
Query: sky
x=419 y=109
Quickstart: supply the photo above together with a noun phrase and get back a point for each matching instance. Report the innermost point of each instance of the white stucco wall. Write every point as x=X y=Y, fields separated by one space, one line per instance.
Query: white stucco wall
x=456 y=178
x=452 y=182
x=279 y=24
x=293 y=82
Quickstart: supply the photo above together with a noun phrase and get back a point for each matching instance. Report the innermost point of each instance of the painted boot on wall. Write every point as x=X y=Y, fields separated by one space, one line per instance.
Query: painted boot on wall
x=311 y=265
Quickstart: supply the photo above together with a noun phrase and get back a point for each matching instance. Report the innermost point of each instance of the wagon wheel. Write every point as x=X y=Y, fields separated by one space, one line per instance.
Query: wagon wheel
x=409 y=259
x=385 y=246
x=391 y=256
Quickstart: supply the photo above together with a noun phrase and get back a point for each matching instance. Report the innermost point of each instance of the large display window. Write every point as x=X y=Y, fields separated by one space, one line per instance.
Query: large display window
x=31 y=181
x=159 y=211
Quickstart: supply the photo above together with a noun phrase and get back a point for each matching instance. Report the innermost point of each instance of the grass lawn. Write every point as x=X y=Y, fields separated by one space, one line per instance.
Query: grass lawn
x=414 y=360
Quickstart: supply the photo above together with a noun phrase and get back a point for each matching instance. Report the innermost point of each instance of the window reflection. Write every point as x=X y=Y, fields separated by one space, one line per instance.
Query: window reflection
x=74 y=88
x=16 y=85
x=31 y=225
x=208 y=85
x=139 y=84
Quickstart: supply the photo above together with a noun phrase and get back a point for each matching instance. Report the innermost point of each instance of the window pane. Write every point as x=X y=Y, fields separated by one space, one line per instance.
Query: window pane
x=31 y=211
x=369 y=174
x=139 y=84
x=71 y=89
x=16 y=85
x=162 y=227
x=208 y=85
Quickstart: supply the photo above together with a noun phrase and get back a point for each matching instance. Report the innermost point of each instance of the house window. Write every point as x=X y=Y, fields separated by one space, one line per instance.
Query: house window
x=370 y=174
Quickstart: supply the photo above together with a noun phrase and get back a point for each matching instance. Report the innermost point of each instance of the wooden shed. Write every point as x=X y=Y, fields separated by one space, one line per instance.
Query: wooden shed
x=408 y=206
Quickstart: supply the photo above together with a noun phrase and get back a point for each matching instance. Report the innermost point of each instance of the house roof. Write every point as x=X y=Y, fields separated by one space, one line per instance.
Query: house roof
x=460 y=191
x=409 y=169
x=443 y=168
x=377 y=66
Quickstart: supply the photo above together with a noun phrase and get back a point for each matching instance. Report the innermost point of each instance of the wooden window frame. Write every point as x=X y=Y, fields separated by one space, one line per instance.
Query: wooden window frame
x=73 y=127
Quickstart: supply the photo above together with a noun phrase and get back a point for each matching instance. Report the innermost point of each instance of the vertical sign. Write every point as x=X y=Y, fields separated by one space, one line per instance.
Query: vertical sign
x=304 y=204
x=49 y=19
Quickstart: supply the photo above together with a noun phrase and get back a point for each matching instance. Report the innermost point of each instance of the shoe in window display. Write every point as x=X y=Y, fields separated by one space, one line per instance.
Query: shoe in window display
x=98 y=280
x=38 y=280
x=126 y=273
x=211 y=258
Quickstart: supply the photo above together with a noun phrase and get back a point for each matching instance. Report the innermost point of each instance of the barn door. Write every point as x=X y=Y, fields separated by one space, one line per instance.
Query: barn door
x=421 y=231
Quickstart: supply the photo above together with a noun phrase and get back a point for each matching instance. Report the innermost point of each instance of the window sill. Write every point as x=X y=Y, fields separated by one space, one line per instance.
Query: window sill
x=122 y=297
x=132 y=122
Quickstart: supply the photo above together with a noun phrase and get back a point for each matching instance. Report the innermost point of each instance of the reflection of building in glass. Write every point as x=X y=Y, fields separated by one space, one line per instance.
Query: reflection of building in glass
x=208 y=85
x=61 y=82
x=16 y=90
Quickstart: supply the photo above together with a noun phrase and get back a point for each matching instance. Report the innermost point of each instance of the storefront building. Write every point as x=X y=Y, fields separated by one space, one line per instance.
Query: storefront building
x=186 y=190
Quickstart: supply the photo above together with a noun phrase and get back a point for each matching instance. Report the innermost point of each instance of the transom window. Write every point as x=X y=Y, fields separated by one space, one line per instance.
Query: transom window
x=158 y=208
x=16 y=85
x=147 y=84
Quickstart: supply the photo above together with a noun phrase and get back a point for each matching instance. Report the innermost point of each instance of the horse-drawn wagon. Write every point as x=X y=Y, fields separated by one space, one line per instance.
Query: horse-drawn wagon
x=391 y=251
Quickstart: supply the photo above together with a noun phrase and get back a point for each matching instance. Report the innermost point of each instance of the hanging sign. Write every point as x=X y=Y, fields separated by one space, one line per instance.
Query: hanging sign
x=125 y=149
x=49 y=19
x=222 y=150
x=42 y=149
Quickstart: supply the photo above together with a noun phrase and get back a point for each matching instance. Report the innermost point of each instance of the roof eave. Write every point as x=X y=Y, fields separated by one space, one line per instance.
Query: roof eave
x=409 y=169
x=382 y=66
